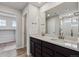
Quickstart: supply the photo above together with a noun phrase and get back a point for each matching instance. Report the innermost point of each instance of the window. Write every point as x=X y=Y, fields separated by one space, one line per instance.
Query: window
x=2 y=22
x=67 y=20
x=14 y=24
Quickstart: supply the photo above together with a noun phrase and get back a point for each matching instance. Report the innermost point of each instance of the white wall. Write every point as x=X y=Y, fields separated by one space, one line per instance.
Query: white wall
x=33 y=19
x=32 y=24
x=32 y=28
x=42 y=22
x=18 y=29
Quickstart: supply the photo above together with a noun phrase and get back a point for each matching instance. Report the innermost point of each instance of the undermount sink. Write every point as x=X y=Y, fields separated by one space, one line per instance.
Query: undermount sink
x=66 y=42
x=57 y=40
x=71 y=45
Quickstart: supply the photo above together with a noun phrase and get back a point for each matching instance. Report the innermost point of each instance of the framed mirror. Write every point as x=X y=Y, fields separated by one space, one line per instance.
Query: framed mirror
x=63 y=20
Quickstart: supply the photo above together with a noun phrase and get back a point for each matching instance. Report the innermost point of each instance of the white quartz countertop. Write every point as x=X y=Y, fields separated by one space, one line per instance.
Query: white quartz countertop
x=61 y=42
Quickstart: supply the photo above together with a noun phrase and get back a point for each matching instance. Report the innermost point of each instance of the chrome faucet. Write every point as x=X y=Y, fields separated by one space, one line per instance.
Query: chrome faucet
x=60 y=34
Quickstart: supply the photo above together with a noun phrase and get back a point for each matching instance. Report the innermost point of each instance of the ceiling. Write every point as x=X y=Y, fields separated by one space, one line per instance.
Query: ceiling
x=21 y=5
x=63 y=8
x=38 y=4
x=15 y=5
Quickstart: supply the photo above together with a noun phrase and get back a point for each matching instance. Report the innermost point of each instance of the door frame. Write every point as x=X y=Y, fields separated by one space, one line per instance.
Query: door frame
x=24 y=30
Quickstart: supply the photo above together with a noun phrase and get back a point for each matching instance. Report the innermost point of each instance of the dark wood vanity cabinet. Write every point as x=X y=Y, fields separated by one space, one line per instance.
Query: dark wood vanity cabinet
x=32 y=50
x=35 y=47
x=39 y=48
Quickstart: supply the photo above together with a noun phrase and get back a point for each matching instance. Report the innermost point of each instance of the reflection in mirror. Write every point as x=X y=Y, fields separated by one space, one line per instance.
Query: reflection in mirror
x=69 y=26
x=62 y=21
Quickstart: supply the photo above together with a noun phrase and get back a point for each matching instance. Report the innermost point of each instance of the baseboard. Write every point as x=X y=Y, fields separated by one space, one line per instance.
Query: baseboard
x=21 y=51
x=21 y=48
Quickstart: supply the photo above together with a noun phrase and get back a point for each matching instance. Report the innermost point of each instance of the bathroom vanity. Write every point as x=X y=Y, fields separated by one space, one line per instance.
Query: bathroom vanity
x=41 y=46
x=62 y=27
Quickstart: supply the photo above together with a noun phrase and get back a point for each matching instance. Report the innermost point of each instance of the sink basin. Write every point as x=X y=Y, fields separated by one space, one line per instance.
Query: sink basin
x=58 y=40
x=66 y=42
x=71 y=45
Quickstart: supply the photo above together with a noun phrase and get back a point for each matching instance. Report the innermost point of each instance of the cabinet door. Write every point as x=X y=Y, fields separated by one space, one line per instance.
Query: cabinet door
x=32 y=48
x=48 y=45
x=47 y=52
x=47 y=49
x=37 y=50
x=35 y=47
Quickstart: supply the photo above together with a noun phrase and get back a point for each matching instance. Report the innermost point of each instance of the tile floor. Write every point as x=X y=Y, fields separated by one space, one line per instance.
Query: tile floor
x=9 y=50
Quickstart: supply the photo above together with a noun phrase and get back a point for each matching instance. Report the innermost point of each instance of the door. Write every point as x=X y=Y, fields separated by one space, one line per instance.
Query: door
x=24 y=35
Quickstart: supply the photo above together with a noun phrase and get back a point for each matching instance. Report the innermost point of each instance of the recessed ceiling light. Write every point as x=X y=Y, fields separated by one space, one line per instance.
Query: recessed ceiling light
x=48 y=14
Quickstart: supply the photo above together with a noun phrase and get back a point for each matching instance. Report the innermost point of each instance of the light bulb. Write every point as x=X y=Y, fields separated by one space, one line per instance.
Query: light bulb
x=48 y=15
